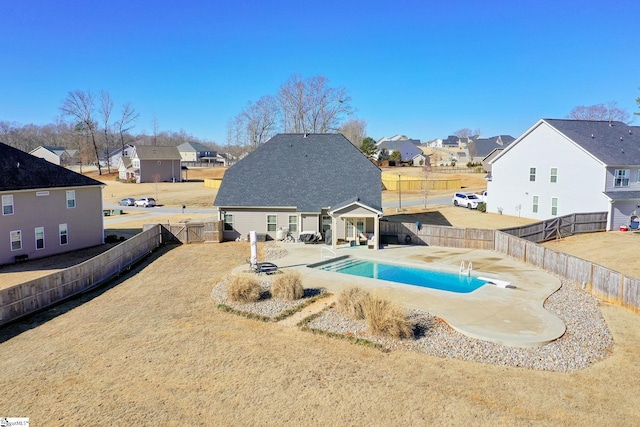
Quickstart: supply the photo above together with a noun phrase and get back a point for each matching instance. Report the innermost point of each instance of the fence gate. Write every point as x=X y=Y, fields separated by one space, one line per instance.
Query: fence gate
x=558 y=228
x=195 y=233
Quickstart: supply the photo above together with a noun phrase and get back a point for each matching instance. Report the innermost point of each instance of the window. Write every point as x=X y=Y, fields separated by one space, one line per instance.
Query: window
x=39 y=238
x=554 y=174
x=71 y=198
x=554 y=206
x=532 y=174
x=228 y=222
x=7 y=205
x=16 y=240
x=535 y=204
x=293 y=223
x=272 y=222
x=621 y=178
x=64 y=238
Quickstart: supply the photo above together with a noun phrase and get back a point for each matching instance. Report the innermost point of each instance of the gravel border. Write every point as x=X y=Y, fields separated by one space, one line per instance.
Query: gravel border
x=586 y=341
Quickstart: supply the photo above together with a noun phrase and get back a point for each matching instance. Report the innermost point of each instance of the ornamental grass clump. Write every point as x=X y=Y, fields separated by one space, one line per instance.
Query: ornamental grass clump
x=351 y=302
x=288 y=286
x=244 y=290
x=386 y=319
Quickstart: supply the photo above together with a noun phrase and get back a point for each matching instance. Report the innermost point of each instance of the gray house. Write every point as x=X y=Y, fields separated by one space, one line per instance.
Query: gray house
x=152 y=163
x=318 y=183
x=46 y=209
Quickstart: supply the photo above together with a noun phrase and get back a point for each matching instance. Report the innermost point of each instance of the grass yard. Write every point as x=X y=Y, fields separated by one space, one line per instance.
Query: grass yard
x=153 y=349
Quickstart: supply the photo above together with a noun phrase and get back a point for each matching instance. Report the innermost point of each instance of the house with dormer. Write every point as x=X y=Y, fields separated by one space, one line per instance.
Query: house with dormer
x=304 y=183
x=46 y=209
x=559 y=167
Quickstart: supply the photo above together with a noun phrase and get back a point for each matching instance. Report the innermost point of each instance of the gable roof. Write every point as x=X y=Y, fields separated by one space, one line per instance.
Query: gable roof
x=22 y=171
x=613 y=143
x=484 y=146
x=157 y=152
x=194 y=147
x=306 y=172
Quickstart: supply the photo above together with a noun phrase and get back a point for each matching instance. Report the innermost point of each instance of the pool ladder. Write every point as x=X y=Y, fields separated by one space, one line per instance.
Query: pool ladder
x=466 y=270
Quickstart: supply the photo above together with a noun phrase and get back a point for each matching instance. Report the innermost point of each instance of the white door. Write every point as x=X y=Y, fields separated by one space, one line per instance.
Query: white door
x=355 y=226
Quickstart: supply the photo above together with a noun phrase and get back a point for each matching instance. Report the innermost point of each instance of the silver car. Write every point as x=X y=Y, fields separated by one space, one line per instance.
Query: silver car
x=146 y=202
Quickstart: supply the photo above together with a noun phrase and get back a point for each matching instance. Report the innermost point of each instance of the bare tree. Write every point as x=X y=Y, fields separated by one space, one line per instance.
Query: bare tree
x=258 y=121
x=610 y=112
x=311 y=105
x=106 y=107
x=354 y=130
x=125 y=124
x=79 y=106
x=463 y=133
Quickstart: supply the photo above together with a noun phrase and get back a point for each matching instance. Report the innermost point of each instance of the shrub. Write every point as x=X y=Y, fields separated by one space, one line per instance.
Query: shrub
x=351 y=302
x=385 y=318
x=482 y=207
x=288 y=286
x=244 y=289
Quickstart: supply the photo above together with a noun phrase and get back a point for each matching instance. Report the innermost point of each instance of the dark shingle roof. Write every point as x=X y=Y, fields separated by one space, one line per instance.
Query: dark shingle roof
x=22 y=171
x=157 y=152
x=309 y=173
x=613 y=143
x=484 y=146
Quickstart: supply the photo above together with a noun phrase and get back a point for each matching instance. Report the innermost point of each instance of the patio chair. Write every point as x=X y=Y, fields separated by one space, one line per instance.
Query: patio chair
x=264 y=267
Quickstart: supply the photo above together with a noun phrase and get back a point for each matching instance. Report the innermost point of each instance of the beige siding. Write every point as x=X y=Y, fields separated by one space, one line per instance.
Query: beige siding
x=167 y=171
x=253 y=220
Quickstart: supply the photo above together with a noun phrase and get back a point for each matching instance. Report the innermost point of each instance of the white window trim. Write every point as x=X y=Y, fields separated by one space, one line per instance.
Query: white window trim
x=532 y=174
x=36 y=238
x=296 y=223
x=270 y=223
x=552 y=175
x=71 y=196
x=554 y=206
x=536 y=204
x=66 y=234
x=11 y=239
x=625 y=177
x=9 y=197
x=225 y=222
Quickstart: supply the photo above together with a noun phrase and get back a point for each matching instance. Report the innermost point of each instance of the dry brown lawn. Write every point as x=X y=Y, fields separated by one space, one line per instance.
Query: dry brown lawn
x=153 y=349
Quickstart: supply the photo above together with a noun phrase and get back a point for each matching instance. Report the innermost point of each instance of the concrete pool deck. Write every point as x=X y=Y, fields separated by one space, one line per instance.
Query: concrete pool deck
x=508 y=316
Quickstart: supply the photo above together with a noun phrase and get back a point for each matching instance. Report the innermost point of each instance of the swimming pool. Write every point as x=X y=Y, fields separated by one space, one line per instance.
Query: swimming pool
x=403 y=274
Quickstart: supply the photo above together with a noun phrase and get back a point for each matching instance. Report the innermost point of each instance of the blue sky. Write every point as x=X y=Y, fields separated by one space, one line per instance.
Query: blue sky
x=421 y=68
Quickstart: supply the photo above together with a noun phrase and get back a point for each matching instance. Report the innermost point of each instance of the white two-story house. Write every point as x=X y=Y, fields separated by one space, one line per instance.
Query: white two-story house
x=559 y=167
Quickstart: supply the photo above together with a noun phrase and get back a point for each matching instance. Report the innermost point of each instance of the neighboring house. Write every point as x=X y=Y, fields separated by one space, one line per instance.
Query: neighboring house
x=196 y=152
x=481 y=147
x=57 y=155
x=559 y=167
x=420 y=159
x=408 y=148
x=113 y=158
x=152 y=163
x=319 y=183
x=46 y=209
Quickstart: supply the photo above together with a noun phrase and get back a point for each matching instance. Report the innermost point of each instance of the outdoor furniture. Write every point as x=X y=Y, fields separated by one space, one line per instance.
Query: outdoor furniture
x=264 y=267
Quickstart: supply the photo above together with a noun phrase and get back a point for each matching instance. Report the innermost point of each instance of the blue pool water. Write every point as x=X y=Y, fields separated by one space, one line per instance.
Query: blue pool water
x=407 y=275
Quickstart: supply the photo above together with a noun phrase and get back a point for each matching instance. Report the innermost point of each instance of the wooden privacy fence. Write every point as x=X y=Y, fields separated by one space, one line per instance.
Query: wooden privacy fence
x=563 y=226
x=606 y=284
x=36 y=294
x=193 y=232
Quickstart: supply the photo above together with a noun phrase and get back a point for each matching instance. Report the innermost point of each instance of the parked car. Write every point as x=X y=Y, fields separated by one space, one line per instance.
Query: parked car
x=127 y=201
x=146 y=202
x=468 y=200
x=483 y=196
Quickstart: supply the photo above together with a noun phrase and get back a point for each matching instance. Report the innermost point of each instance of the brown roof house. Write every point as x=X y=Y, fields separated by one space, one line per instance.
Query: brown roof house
x=306 y=184
x=46 y=209
x=152 y=163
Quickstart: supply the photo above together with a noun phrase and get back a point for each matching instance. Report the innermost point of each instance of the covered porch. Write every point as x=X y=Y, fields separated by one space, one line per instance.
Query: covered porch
x=355 y=223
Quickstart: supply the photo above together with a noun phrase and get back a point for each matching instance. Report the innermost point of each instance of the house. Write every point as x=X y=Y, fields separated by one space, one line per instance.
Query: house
x=46 y=209
x=152 y=163
x=480 y=148
x=196 y=152
x=112 y=159
x=318 y=183
x=57 y=155
x=408 y=148
x=559 y=167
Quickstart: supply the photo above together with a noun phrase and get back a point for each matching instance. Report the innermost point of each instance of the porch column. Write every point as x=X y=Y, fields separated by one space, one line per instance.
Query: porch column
x=376 y=232
x=334 y=235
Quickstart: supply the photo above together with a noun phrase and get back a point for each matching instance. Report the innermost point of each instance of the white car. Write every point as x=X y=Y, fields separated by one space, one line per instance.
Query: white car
x=483 y=196
x=146 y=202
x=468 y=200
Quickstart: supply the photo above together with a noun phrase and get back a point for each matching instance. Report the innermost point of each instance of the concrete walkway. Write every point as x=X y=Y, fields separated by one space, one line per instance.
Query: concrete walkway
x=508 y=316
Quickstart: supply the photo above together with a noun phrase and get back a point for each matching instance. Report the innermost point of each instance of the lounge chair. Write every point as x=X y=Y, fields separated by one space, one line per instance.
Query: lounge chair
x=264 y=267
